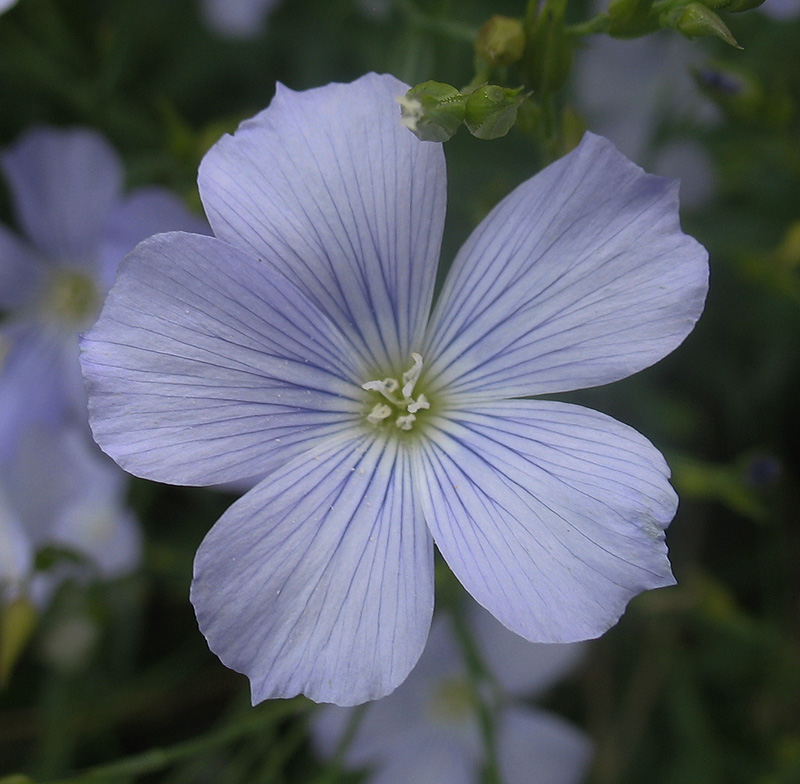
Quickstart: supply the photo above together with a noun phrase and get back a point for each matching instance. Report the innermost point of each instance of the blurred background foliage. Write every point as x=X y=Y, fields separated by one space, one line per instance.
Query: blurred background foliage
x=698 y=683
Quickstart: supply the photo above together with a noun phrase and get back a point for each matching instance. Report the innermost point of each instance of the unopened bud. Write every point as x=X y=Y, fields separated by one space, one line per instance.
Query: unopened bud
x=696 y=20
x=492 y=110
x=734 y=6
x=501 y=41
x=631 y=18
x=17 y=623
x=432 y=110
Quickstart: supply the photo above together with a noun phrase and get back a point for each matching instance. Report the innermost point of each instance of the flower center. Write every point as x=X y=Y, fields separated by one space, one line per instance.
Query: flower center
x=452 y=701
x=71 y=298
x=398 y=402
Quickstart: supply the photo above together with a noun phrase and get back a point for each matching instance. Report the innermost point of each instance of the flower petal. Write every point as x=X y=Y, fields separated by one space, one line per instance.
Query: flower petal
x=551 y=515
x=21 y=268
x=320 y=580
x=423 y=759
x=207 y=366
x=329 y=187
x=39 y=380
x=236 y=18
x=64 y=183
x=522 y=668
x=413 y=708
x=536 y=746
x=16 y=549
x=145 y=212
x=579 y=277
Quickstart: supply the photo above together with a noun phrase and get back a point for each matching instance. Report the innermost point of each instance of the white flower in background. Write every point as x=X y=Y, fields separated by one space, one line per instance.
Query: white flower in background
x=428 y=730
x=237 y=18
x=656 y=74
x=66 y=189
x=58 y=490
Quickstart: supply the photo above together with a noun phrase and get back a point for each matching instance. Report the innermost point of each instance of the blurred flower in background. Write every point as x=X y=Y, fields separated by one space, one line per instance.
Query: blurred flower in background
x=6 y=4
x=59 y=491
x=659 y=90
x=66 y=189
x=781 y=9
x=429 y=730
x=237 y=18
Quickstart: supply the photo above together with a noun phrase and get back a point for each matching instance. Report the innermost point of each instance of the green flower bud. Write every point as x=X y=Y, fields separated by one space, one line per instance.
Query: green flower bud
x=492 y=110
x=631 y=18
x=501 y=41
x=734 y=6
x=432 y=110
x=17 y=623
x=696 y=20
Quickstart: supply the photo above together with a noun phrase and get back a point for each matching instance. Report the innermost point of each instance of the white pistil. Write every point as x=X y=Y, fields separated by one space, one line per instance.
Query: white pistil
x=389 y=388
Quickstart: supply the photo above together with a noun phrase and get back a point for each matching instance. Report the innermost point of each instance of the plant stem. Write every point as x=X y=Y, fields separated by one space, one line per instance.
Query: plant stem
x=156 y=759
x=455 y=30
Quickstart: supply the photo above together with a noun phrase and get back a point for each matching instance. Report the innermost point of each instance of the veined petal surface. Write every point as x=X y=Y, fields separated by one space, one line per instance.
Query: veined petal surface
x=63 y=183
x=579 y=277
x=207 y=366
x=551 y=515
x=328 y=186
x=320 y=579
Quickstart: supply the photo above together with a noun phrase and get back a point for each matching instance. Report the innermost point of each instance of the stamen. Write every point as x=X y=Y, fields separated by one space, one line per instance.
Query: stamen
x=411 y=376
x=405 y=422
x=380 y=412
x=387 y=388
x=399 y=401
x=420 y=403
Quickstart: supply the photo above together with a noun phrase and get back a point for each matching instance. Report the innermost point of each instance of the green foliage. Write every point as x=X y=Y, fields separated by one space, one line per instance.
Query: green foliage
x=698 y=683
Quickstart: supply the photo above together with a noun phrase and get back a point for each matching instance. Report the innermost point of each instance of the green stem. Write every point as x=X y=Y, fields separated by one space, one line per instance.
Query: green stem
x=590 y=27
x=156 y=759
x=478 y=674
x=456 y=30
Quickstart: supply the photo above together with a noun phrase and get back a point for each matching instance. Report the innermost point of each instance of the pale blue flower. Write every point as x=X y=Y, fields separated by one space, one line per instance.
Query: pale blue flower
x=6 y=4
x=66 y=188
x=428 y=731
x=300 y=344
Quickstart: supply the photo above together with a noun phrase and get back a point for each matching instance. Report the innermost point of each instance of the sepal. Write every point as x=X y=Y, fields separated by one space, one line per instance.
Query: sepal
x=433 y=111
x=492 y=110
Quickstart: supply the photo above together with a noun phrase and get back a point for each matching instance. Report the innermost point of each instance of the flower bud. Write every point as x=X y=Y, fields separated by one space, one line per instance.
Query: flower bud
x=696 y=20
x=432 y=110
x=17 y=622
x=631 y=18
x=492 y=110
x=501 y=41
x=734 y=6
